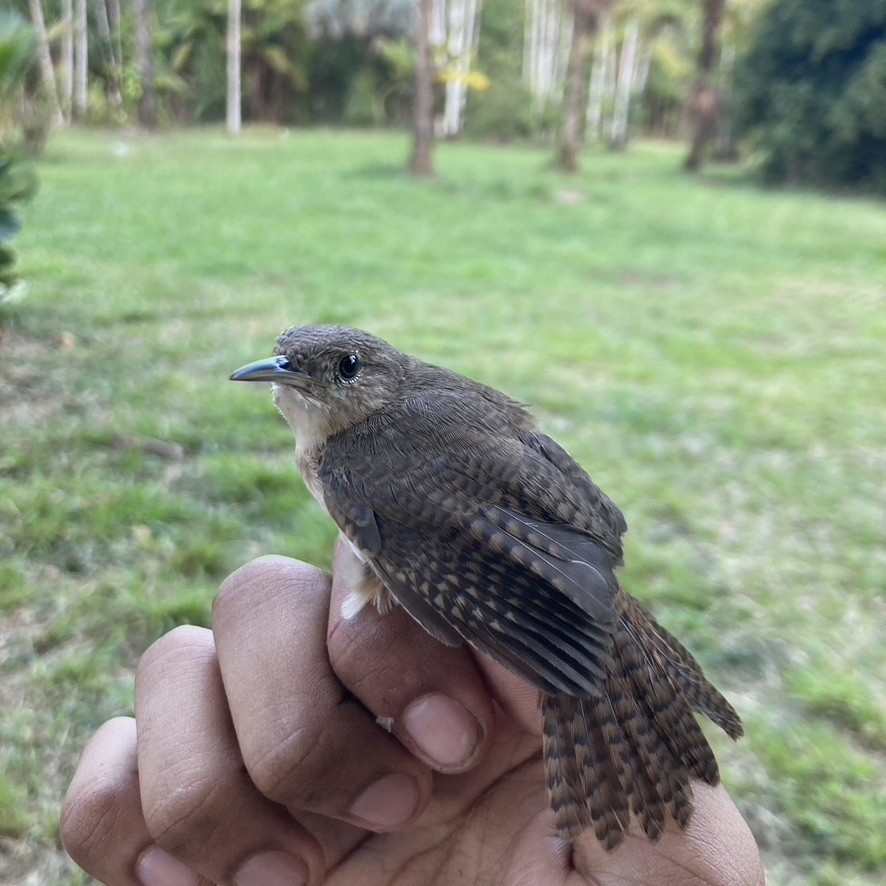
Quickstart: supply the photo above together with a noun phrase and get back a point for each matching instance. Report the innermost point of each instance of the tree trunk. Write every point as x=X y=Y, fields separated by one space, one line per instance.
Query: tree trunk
x=705 y=100
x=115 y=20
x=547 y=38
x=627 y=73
x=67 y=60
x=144 y=40
x=725 y=149
x=81 y=61
x=461 y=43
x=529 y=41
x=460 y=40
x=597 y=89
x=47 y=72
x=114 y=67
x=586 y=15
x=422 y=162
x=235 y=15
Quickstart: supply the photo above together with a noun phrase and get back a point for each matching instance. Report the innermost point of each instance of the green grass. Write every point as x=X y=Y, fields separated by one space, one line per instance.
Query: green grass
x=712 y=353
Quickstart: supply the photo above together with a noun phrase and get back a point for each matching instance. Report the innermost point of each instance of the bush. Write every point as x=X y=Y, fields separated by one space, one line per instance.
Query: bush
x=17 y=185
x=811 y=92
x=503 y=112
x=25 y=113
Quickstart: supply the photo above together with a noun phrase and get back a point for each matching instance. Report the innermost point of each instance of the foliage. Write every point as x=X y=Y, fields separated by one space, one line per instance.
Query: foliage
x=18 y=183
x=505 y=110
x=364 y=107
x=698 y=345
x=812 y=89
x=670 y=76
x=366 y=19
x=275 y=57
x=24 y=113
x=18 y=53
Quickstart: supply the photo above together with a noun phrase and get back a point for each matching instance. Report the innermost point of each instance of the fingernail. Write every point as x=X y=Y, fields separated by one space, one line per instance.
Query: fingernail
x=388 y=802
x=272 y=869
x=158 y=868
x=443 y=729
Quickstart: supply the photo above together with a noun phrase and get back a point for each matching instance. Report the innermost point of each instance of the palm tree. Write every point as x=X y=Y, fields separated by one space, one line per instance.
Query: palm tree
x=144 y=39
x=81 y=61
x=586 y=16
x=705 y=100
x=235 y=30
x=47 y=72
x=422 y=161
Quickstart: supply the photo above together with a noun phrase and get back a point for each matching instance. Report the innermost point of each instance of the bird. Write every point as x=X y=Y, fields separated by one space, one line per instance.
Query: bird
x=487 y=532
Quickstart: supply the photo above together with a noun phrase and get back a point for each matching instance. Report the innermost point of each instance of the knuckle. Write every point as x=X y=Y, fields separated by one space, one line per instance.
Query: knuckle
x=89 y=815
x=185 y=815
x=102 y=807
x=291 y=768
x=183 y=637
x=184 y=640
x=262 y=577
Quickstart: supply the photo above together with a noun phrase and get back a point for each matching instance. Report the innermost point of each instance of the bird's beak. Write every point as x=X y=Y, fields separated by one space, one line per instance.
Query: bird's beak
x=275 y=369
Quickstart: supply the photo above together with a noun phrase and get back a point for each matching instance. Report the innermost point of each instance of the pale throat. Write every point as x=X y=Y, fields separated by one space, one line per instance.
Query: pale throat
x=309 y=420
x=310 y=424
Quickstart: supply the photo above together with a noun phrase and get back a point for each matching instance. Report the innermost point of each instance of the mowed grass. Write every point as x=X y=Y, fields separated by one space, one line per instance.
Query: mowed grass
x=712 y=353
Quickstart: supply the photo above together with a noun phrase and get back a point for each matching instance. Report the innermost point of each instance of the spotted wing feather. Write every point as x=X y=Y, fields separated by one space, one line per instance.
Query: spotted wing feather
x=491 y=541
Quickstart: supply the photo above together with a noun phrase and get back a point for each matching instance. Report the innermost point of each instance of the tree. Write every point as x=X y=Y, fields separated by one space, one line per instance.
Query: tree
x=601 y=79
x=628 y=71
x=461 y=39
x=586 y=15
x=47 y=71
x=106 y=18
x=811 y=91
x=705 y=100
x=67 y=59
x=235 y=16
x=422 y=161
x=622 y=67
x=81 y=61
x=144 y=39
x=546 y=42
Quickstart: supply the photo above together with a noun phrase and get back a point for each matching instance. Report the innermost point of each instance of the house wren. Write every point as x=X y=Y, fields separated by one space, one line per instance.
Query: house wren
x=487 y=532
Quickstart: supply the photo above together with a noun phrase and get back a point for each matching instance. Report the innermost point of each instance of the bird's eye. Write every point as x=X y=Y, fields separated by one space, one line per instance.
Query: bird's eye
x=348 y=367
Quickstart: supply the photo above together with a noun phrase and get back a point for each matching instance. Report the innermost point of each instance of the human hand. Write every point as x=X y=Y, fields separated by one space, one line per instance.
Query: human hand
x=259 y=756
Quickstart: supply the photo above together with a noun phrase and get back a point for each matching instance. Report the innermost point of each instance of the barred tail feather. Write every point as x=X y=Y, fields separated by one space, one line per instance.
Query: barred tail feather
x=636 y=746
x=583 y=770
x=561 y=746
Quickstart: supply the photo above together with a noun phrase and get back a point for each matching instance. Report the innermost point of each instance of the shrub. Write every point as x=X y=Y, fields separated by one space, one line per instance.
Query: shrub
x=811 y=92
x=17 y=184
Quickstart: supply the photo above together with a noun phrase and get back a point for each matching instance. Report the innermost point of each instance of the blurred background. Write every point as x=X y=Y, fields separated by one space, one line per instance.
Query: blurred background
x=659 y=224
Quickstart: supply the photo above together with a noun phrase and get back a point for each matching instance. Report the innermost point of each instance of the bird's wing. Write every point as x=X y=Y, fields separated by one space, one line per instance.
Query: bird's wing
x=586 y=505
x=493 y=544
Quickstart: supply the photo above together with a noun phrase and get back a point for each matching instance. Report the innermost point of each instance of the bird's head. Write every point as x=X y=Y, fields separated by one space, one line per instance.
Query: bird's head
x=329 y=378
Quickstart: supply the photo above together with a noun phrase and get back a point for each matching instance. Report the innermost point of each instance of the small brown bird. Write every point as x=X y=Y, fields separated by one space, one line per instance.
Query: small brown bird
x=487 y=532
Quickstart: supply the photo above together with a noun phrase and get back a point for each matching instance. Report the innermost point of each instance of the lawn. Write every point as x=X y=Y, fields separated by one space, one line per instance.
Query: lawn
x=711 y=352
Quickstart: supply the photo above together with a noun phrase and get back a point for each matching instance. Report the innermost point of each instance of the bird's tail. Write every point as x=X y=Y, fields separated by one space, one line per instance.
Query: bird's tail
x=636 y=746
